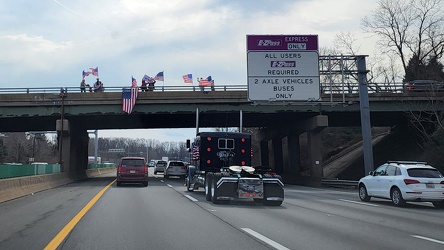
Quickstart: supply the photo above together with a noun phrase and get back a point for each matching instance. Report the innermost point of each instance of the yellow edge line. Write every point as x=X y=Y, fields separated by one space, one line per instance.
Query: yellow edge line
x=68 y=228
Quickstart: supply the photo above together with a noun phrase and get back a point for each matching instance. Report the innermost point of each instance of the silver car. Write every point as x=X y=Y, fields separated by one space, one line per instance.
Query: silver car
x=160 y=166
x=175 y=168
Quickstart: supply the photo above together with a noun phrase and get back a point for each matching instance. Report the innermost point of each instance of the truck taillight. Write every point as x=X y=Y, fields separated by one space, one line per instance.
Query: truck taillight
x=208 y=138
x=119 y=169
x=243 y=163
x=146 y=169
x=208 y=149
x=208 y=161
x=243 y=151
x=243 y=139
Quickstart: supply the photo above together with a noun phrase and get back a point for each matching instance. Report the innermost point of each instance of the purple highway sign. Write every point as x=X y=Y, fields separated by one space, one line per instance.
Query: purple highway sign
x=282 y=42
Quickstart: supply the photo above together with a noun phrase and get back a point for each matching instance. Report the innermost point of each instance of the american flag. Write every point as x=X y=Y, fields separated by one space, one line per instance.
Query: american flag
x=85 y=74
x=188 y=78
x=205 y=82
x=195 y=151
x=129 y=96
x=159 y=76
x=133 y=82
x=146 y=78
x=95 y=71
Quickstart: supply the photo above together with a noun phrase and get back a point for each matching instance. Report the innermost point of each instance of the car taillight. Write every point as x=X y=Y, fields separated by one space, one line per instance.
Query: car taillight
x=410 y=181
x=442 y=182
x=183 y=167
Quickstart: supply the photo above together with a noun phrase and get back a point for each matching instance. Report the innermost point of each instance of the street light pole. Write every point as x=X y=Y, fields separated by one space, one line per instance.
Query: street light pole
x=62 y=117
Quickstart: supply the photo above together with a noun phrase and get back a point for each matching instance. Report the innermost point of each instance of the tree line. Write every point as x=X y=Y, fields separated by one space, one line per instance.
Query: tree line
x=25 y=148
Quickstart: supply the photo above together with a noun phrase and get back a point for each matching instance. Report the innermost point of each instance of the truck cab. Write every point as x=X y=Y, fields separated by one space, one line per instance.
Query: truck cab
x=221 y=163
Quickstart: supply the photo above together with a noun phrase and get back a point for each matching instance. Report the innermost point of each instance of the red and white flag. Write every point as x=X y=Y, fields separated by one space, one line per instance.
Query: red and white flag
x=129 y=97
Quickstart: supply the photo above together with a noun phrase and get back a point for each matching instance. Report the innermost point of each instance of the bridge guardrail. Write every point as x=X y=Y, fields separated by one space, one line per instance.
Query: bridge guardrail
x=325 y=88
x=57 y=90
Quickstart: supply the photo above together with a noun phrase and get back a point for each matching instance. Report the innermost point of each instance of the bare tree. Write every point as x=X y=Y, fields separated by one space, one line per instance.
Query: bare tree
x=408 y=28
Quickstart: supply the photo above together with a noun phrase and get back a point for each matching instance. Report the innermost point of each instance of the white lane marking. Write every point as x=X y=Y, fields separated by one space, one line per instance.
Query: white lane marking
x=191 y=198
x=429 y=239
x=161 y=181
x=169 y=185
x=264 y=239
x=361 y=203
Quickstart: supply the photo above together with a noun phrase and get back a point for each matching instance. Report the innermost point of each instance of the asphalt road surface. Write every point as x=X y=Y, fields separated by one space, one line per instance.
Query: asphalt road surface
x=92 y=215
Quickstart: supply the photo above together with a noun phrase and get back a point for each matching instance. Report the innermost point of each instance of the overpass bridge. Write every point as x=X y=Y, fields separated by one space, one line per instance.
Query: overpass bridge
x=280 y=123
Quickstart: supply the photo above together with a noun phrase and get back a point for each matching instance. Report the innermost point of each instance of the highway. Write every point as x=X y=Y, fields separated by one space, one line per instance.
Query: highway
x=90 y=215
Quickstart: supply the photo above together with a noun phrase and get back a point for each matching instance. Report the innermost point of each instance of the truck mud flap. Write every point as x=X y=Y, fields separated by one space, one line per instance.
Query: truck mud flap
x=273 y=189
x=226 y=188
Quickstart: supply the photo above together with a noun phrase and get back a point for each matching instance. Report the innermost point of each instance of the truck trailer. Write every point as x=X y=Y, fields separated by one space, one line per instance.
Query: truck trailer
x=221 y=164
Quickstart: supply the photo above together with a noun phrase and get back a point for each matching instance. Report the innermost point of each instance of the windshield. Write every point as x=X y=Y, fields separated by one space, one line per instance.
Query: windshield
x=424 y=173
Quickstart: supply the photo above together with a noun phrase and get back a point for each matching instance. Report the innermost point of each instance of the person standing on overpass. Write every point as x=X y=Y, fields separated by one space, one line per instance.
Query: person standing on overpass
x=83 y=86
x=98 y=86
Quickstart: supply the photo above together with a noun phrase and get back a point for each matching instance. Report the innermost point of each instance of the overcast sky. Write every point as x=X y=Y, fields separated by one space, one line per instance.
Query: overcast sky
x=48 y=43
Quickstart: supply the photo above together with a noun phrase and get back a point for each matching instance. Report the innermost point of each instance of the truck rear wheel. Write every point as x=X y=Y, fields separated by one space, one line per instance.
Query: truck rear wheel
x=188 y=182
x=208 y=181
x=214 y=195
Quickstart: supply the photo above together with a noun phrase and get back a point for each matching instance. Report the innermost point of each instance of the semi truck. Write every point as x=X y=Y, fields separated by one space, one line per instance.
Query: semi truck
x=221 y=164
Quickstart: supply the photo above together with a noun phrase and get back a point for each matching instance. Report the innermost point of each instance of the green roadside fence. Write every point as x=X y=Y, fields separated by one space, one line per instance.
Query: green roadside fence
x=11 y=170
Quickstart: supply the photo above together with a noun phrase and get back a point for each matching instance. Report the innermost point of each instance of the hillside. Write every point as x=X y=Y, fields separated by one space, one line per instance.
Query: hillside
x=399 y=145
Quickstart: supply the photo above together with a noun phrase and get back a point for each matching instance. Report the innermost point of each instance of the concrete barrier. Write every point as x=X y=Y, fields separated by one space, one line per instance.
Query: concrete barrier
x=18 y=187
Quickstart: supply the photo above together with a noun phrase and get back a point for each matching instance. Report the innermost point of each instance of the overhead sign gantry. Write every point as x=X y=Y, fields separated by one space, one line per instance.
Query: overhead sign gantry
x=283 y=67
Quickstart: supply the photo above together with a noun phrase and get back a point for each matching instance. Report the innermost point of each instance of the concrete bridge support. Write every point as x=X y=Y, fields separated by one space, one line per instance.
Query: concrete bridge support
x=74 y=151
x=280 y=150
x=291 y=155
x=276 y=159
x=314 y=128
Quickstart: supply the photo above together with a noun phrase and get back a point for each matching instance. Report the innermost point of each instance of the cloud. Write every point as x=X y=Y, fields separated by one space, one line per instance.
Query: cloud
x=49 y=43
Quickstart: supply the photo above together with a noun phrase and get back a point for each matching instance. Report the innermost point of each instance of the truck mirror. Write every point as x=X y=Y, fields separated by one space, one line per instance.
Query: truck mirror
x=188 y=143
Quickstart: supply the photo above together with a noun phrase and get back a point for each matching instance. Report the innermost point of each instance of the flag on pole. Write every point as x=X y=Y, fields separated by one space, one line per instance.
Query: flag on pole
x=205 y=82
x=188 y=78
x=195 y=152
x=129 y=96
x=95 y=71
x=85 y=74
x=133 y=82
x=146 y=78
x=159 y=76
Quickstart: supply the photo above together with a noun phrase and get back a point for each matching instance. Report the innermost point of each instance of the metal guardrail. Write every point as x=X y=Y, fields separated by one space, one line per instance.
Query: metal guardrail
x=326 y=88
x=57 y=90
x=339 y=183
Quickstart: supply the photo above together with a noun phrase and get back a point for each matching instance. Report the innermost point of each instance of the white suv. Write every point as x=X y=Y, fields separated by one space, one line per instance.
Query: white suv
x=403 y=181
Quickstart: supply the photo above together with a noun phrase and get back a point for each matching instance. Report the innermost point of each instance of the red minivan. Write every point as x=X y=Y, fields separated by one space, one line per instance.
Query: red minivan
x=132 y=170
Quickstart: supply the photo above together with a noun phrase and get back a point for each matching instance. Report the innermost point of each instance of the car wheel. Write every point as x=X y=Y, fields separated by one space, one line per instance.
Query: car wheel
x=119 y=184
x=363 y=195
x=165 y=176
x=208 y=181
x=396 y=196
x=155 y=172
x=438 y=204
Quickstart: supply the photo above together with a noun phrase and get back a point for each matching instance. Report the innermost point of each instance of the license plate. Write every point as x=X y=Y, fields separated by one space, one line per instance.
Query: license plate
x=430 y=185
x=132 y=171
